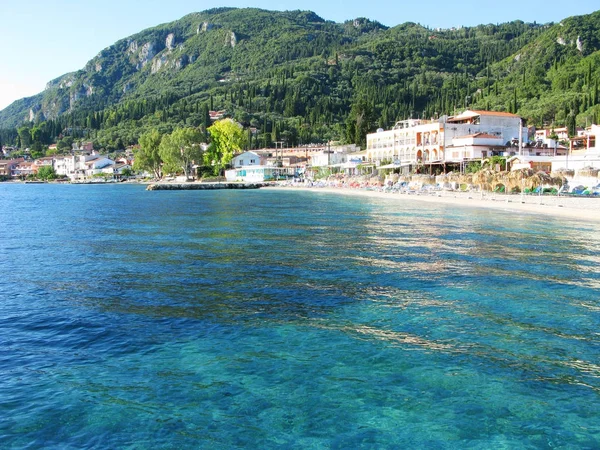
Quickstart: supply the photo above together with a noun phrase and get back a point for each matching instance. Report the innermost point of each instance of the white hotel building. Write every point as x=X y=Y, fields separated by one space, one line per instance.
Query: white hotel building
x=470 y=136
x=83 y=167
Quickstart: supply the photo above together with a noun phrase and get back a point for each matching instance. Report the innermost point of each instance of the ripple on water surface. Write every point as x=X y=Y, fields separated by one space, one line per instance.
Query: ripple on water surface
x=288 y=319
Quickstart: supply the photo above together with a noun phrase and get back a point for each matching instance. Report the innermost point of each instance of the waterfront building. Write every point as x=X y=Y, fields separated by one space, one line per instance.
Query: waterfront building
x=247 y=159
x=270 y=164
x=82 y=167
x=45 y=161
x=583 y=151
x=120 y=168
x=257 y=174
x=328 y=157
x=99 y=165
x=448 y=141
x=24 y=169
x=8 y=167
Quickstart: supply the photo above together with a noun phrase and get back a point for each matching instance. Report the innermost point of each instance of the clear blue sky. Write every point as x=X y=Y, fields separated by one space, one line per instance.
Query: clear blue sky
x=43 y=39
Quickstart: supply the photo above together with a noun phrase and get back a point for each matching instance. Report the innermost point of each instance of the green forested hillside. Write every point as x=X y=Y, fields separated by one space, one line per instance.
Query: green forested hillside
x=295 y=77
x=553 y=79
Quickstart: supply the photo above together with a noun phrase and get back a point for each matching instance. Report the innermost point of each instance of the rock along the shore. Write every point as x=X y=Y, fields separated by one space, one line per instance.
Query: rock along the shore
x=202 y=186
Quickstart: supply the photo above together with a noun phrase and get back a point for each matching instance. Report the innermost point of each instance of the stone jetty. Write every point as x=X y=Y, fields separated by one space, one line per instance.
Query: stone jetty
x=202 y=186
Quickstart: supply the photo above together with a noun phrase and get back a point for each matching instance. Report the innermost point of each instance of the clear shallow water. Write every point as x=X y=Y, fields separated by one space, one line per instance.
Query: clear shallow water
x=133 y=319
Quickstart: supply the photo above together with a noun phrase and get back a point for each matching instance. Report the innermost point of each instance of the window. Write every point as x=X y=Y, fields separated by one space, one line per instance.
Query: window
x=252 y=161
x=241 y=162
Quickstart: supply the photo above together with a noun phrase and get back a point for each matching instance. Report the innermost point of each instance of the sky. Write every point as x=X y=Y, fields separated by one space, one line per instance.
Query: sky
x=44 y=39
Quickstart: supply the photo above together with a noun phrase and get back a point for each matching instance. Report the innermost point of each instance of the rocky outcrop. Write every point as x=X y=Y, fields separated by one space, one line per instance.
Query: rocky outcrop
x=133 y=47
x=180 y=63
x=158 y=62
x=84 y=91
x=170 y=41
x=36 y=114
x=231 y=39
x=203 y=186
x=577 y=43
x=147 y=52
x=205 y=26
x=74 y=98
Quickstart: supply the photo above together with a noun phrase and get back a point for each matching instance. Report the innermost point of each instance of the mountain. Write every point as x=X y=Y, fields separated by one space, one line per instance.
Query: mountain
x=552 y=79
x=296 y=77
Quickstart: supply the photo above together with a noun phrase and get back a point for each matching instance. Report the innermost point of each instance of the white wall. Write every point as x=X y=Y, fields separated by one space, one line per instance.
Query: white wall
x=247 y=159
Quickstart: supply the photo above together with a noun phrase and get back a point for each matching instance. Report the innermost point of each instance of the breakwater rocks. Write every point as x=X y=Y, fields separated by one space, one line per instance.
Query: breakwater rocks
x=202 y=186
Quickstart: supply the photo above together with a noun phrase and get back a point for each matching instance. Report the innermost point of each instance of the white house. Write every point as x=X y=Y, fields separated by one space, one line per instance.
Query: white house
x=247 y=159
x=253 y=174
x=328 y=158
x=474 y=146
x=98 y=165
x=119 y=168
x=255 y=168
x=81 y=167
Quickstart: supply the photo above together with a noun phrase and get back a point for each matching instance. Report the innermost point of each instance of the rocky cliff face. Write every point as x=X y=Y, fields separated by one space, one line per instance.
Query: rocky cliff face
x=121 y=69
x=231 y=39
x=205 y=26
x=170 y=41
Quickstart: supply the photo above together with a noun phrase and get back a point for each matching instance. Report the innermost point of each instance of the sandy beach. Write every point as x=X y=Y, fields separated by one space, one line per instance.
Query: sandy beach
x=578 y=208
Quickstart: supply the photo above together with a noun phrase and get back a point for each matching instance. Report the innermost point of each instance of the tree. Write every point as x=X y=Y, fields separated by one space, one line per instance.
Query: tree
x=65 y=144
x=180 y=149
x=227 y=138
x=359 y=122
x=46 y=173
x=147 y=157
x=36 y=139
x=24 y=136
x=571 y=124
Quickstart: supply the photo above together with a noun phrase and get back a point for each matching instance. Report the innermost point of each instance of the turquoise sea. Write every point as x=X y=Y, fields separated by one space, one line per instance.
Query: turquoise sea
x=269 y=319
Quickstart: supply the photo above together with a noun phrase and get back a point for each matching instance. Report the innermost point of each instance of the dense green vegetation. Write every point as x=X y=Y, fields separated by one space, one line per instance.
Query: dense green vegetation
x=294 y=77
x=177 y=152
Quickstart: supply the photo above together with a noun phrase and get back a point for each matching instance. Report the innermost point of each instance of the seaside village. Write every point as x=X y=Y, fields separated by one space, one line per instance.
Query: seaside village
x=486 y=150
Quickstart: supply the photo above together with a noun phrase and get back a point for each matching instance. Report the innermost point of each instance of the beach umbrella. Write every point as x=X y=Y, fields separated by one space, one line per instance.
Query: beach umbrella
x=588 y=172
x=562 y=172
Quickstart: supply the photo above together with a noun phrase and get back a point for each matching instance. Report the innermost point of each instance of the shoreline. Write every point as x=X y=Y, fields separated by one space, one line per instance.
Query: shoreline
x=577 y=208
x=587 y=209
